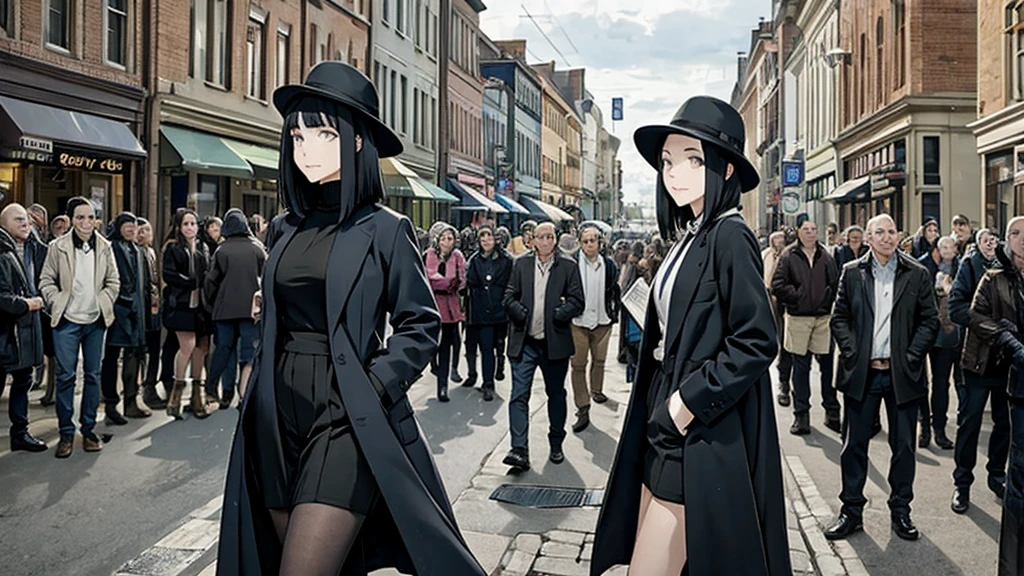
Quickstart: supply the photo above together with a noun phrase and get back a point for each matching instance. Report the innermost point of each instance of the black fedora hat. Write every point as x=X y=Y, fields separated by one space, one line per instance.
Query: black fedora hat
x=346 y=85
x=709 y=120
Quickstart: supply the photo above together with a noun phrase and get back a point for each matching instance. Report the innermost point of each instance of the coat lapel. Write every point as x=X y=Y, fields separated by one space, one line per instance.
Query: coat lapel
x=902 y=280
x=527 y=286
x=348 y=252
x=868 y=282
x=684 y=289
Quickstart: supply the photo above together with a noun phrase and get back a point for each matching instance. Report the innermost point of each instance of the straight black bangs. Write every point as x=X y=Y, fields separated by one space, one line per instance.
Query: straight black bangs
x=361 y=182
x=719 y=194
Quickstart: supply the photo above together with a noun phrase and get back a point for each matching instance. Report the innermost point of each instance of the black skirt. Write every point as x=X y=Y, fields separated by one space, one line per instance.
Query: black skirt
x=663 y=456
x=323 y=461
x=188 y=320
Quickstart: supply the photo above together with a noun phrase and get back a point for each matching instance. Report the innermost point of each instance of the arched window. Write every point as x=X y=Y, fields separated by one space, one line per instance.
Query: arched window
x=899 y=23
x=880 y=41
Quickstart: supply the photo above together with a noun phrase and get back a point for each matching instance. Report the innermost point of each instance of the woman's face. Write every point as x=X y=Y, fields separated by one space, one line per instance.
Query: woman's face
x=128 y=231
x=58 y=228
x=317 y=152
x=446 y=241
x=962 y=231
x=931 y=232
x=987 y=243
x=144 y=234
x=189 y=227
x=682 y=169
x=486 y=241
x=213 y=229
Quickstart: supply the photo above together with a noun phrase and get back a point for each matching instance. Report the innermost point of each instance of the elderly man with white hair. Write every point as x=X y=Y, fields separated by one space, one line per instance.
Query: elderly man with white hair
x=21 y=334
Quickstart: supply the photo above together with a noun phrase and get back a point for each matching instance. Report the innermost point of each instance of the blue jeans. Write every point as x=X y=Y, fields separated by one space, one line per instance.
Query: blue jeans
x=17 y=407
x=234 y=341
x=68 y=338
x=535 y=355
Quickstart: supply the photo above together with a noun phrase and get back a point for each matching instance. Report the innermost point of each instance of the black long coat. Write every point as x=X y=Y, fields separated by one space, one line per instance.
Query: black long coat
x=21 y=332
x=374 y=270
x=913 y=326
x=720 y=342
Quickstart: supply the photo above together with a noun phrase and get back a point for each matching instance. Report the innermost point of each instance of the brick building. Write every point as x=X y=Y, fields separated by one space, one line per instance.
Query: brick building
x=215 y=65
x=908 y=92
x=560 y=143
x=71 y=102
x=755 y=97
x=1000 y=109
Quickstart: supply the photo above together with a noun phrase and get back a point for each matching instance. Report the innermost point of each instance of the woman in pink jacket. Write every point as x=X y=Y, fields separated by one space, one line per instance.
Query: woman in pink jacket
x=446 y=269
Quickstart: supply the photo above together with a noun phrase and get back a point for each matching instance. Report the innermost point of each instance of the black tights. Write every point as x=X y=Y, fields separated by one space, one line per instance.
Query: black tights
x=316 y=538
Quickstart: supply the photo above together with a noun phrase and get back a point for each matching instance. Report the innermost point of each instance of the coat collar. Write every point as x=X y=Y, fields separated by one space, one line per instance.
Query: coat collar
x=685 y=287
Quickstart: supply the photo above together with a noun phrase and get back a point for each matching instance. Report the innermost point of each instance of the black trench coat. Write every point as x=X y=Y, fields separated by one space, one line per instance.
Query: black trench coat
x=721 y=340
x=374 y=270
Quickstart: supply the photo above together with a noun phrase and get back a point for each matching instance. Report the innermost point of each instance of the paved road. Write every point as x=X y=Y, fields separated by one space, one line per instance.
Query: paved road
x=950 y=544
x=87 y=515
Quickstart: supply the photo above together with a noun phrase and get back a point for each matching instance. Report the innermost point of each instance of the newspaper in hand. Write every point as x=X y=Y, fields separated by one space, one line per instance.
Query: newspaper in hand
x=635 y=300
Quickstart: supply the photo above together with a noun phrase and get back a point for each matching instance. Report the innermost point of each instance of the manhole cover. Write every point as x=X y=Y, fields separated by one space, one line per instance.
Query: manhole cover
x=547 y=496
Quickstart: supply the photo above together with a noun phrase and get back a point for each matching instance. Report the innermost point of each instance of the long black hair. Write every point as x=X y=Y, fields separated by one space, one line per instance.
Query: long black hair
x=719 y=194
x=361 y=182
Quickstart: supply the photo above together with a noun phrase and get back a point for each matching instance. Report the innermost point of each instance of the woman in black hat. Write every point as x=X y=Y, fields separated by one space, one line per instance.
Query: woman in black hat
x=697 y=482
x=329 y=473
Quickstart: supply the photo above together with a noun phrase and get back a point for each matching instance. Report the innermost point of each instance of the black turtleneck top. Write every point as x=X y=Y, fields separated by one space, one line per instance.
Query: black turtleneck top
x=299 y=284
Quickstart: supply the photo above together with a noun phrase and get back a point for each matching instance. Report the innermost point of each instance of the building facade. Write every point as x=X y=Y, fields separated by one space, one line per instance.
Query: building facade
x=72 y=108
x=560 y=143
x=755 y=71
x=524 y=143
x=216 y=64
x=908 y=93
x=1000 y=109
x=465 y=99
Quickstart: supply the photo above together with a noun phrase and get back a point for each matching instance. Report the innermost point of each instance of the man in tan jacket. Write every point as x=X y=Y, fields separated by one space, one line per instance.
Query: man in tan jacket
x=79 y=284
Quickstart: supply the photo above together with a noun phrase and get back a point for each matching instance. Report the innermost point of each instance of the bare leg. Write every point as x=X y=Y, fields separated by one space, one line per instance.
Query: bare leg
x=660 y=548
x=318 y=540
x=280 y=520
x=202 y=345
x=186 y=346
x=244 y=379
x=645 y=503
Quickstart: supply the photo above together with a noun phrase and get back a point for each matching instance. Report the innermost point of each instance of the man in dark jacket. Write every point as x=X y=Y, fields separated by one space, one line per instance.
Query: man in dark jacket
x=21 y=335
x=884 y=323
x=233 y=279
x=805 y=284
x=487 y=275
x=591 y=330
x=985 y=376
x=543 y=295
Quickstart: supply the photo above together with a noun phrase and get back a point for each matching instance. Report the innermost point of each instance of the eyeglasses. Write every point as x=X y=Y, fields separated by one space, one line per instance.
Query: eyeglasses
x=544 y=237
x=589 y=241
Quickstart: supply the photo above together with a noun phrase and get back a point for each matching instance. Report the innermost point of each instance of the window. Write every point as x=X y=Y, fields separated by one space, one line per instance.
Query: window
x=433 y=122
x=405 y=105
x=900 y=26
x=117 y=32
x=7 y=16
x=376 y=76
x=384 y=95
x=386 y=12
x=417 y=34
x=218 y=67
x=58 y=23
x=931 y=205
x=879 y=40
x=400 y=16
x=416 y=115
x=283 y=54
x=862 y=72
x=1015 y=31
x=394 y=82
x=254 y=59
x=930 y=149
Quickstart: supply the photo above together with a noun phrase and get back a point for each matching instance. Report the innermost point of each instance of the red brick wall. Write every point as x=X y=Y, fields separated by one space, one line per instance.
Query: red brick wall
x=992 y=70
x=86 y=43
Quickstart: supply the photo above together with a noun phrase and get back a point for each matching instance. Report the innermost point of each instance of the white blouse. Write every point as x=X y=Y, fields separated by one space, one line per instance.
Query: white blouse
x=665 y=280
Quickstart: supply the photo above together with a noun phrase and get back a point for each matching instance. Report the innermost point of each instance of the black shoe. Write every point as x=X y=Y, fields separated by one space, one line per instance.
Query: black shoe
x=941 y=440
x=961 y=500
x=517 y=460
x=832 y=421
x=600 y=398
x=500 y=374
x=783 y=399
x=226 y=398
x=470 y=380
x=997 y=484
x=114 y=418
x=843 y=527
x=442 y=395
x=801 y=425
x=488 y=394
x=925 y=438
x=27 y=443
x=557 y=456
x=455 y=376
x=904 y=527
x=582 y=420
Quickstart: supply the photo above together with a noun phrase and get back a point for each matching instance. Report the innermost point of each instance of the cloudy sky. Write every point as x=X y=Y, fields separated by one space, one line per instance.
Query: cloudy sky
x=654 y=54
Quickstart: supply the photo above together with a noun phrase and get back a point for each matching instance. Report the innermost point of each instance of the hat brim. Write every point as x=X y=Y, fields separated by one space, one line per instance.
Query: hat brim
x=386 y=141
x=649 y=141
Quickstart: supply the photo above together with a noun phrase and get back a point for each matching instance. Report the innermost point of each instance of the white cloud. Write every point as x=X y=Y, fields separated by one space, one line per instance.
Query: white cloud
x=653 y=54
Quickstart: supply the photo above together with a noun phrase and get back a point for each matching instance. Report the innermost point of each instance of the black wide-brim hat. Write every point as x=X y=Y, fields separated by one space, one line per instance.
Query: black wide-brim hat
x=348 y=86
x=708 y=120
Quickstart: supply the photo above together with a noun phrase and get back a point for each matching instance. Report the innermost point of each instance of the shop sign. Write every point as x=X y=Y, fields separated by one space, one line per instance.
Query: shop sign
x=1018 y=165
x=88 y=162
x=791 y=202
x=792 y=173
x=37 y=144
x=22 y=155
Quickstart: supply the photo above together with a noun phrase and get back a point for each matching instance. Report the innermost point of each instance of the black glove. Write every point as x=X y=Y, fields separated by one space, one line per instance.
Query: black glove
x=1013 y=347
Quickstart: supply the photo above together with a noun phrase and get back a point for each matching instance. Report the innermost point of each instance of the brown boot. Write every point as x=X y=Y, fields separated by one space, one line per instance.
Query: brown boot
x=199 y=407
x=174 y=399
x=133 y=410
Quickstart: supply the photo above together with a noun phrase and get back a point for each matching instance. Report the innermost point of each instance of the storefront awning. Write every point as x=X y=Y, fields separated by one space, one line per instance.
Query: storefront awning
x=47 y=125
x=402 y=181
x=512 y=205
x=262 y=159
x=851 y=191
x=201 y=152
x=544 y=210
x=473 y=200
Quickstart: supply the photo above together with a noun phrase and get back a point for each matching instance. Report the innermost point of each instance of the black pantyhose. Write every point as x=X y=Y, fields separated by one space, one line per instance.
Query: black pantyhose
x=317 y=539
